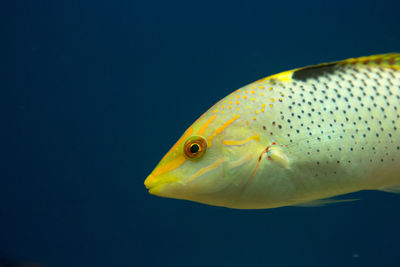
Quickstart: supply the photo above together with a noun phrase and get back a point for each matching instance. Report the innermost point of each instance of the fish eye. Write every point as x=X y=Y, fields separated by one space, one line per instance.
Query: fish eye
x=195 y=147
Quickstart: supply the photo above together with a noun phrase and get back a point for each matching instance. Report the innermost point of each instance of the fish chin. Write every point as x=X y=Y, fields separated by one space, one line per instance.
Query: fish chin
x=221 y=183
x=170 y=190
x=208 y=189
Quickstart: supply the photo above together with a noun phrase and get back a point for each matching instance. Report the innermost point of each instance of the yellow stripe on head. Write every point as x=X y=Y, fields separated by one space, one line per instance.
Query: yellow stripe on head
x=205 y=126
x=173 y=164
x=241 y=142
x=188 y=132
x=222 y=128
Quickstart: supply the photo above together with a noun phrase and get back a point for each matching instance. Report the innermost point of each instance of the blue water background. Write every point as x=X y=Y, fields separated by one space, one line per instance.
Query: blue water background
x=96 y=92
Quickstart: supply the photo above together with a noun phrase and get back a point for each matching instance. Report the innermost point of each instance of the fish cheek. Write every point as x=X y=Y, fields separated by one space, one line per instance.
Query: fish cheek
x=208 y=180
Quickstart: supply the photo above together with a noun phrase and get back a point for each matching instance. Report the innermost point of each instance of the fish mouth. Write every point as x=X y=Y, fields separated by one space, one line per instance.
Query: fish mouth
x=156 y=184
x=152 y=184
x=155 y=190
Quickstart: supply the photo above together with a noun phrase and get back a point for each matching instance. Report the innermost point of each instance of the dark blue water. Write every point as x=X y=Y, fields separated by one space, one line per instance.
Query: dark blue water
x=96 y=92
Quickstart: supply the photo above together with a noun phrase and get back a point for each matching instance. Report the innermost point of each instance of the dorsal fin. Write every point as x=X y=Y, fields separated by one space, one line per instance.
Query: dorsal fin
x=391 y=60
x=314 y=71
x=385 y=60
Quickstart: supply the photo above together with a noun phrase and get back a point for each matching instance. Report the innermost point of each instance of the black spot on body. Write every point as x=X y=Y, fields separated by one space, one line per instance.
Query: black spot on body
x=314 y=72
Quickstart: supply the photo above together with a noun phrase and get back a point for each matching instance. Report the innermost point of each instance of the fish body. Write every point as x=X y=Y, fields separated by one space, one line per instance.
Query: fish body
x=292 y=138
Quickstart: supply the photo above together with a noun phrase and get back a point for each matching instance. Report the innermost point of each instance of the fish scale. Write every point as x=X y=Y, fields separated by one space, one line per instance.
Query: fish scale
x=321 y=131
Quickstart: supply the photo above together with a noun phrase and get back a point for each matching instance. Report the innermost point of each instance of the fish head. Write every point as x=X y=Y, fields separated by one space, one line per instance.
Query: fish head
x=211 y=163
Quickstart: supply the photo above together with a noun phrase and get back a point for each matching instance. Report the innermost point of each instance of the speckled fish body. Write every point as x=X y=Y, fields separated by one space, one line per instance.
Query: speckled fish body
x=293 y=138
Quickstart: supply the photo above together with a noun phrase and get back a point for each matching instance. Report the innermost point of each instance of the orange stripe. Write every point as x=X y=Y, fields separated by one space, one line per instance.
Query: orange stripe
x=188 y=132
x=173 y=164
x=205 y=126
x=222 y=128
x=241 y=142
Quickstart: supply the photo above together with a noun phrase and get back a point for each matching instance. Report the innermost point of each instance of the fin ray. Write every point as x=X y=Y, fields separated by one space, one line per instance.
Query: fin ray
x=323 y=202
x=391 y=189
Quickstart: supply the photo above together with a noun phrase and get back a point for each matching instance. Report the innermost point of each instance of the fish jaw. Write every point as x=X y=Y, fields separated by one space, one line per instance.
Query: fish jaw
x=165 y=185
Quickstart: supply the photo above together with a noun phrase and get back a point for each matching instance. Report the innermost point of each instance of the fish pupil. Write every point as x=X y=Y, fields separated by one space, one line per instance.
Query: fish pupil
x=194 y=148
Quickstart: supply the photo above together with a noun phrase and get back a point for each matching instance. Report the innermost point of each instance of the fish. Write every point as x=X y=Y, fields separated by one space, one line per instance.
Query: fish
x=296 y=138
